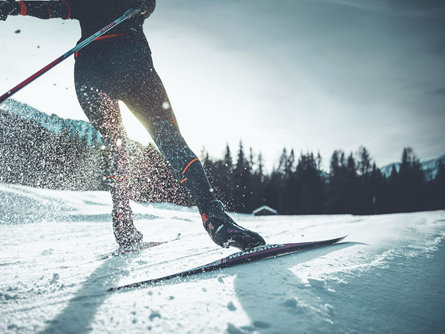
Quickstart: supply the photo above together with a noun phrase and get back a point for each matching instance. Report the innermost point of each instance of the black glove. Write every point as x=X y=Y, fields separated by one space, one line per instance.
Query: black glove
x=6 y=7
x=147 y=7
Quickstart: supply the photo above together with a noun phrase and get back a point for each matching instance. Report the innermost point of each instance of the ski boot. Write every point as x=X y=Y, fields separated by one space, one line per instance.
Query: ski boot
x=127 y=236
x=225 y=232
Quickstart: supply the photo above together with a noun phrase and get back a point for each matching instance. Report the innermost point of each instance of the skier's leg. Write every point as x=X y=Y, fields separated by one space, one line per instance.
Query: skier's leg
x=103 y=113
x=150 y=104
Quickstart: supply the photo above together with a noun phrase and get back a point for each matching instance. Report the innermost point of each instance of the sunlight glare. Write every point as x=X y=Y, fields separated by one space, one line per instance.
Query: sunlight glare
x=133 y=127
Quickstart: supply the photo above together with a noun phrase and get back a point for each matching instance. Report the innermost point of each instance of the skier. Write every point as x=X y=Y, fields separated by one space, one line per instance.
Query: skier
x=118 y=66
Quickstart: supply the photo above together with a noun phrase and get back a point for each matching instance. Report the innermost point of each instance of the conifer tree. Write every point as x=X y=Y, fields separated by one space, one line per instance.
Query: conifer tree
x=364 y=161
x=258 y=183
x=241 y=182
x=307 y=186
x=338 y=183
x=438 y=190
x=411 y=182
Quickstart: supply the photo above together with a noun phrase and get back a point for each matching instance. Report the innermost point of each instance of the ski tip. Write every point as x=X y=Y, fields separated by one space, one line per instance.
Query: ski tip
x=335 y=240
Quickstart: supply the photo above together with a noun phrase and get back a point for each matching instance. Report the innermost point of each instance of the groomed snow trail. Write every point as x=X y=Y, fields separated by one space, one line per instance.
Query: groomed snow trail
x=55 y=269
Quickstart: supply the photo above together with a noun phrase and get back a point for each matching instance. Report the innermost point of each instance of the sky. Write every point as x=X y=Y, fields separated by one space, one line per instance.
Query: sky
x=312 y=75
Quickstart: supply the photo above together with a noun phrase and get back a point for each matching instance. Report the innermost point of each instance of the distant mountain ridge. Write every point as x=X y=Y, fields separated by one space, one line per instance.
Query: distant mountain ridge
x=429 y=167
x=54 y=123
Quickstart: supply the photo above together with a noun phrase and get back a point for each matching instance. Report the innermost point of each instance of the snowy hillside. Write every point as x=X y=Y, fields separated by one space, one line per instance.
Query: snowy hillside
x=53 y=123
x=54 y=245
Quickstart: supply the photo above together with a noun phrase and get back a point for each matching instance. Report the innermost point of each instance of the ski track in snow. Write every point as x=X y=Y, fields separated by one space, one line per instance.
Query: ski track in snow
x=54 y=271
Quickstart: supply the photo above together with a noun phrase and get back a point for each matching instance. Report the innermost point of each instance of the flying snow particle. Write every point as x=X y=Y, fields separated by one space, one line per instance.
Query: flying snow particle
x=154 y=315
x=166 y=105
x=54 y=279
x=231 y=306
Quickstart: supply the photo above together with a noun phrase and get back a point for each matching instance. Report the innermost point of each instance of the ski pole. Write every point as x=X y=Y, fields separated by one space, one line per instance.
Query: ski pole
x=128 y=14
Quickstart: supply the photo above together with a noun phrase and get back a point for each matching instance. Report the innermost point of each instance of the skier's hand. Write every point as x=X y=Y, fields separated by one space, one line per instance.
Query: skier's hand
x=6 y=7
x=147 y=7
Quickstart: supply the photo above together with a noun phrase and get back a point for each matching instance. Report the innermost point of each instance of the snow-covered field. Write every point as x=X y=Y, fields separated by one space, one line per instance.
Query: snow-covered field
x=387 y=277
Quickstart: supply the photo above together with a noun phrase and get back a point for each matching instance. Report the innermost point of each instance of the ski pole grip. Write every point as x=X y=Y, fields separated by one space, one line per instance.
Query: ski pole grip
x=132 y=12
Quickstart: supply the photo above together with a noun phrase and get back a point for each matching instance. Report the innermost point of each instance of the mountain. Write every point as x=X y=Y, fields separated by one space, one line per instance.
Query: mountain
x=429 y=167
x=53 y=122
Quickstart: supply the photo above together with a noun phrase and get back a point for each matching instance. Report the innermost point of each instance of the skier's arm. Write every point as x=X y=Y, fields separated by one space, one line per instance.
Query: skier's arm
x=6 y=8
x=42 y=9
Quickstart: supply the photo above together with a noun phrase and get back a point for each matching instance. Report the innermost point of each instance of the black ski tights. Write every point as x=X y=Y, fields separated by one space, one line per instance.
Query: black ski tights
x=122 y=69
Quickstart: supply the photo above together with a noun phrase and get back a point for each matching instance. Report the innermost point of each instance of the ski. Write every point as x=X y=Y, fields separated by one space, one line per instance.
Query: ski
x=255 y=254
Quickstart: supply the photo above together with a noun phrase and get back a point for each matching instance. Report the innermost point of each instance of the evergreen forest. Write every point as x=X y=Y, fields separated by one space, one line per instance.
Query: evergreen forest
x=298 y=185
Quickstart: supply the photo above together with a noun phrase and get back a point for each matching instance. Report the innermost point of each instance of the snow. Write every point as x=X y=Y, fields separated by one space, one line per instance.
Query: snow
x=386 y=277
